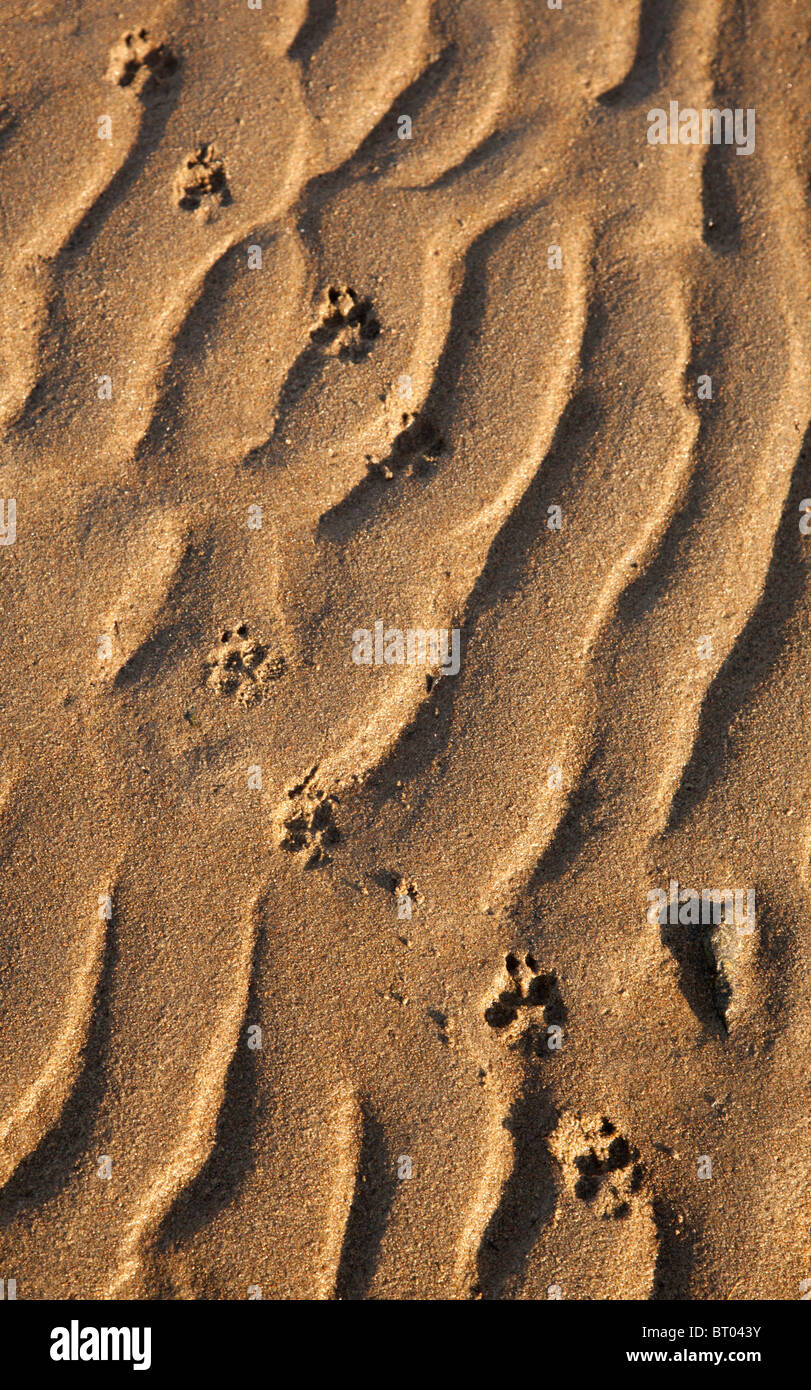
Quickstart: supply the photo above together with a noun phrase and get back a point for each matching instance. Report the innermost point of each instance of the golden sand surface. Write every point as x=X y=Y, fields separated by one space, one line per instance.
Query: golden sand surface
x=324 y=972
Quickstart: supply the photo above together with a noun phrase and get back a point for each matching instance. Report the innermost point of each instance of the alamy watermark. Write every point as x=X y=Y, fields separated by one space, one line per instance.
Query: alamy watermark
x=8 y=521
x=708 y=127
x=417 y=646
x=75 y=1343
x=687 y=907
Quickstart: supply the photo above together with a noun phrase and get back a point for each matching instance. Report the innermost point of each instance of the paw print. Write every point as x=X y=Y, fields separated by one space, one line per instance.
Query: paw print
x=415 y=449
x=137 y=58
x=242 y=666
x=525 y=1008
x=599 y=1165
x=201 y=180
x=312 y=826
x=347 y=327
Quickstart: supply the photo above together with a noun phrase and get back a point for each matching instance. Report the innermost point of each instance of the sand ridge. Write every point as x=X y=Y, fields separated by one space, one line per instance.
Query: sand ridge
x=347 y=968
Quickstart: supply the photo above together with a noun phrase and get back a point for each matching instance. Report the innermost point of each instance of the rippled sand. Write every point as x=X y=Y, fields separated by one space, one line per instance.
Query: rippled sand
x=327 y=978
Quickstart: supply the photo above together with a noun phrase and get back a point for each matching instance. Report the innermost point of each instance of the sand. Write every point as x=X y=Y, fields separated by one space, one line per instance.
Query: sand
x=329 y=976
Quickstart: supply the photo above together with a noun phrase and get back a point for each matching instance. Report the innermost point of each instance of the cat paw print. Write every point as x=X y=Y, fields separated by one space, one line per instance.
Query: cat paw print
x=529 y=1009
x=415 y=449
x=240 y=665
x=599 y=1166
x=311 y=828
x=406 y=893
x=138 y=59
x=201 y=182
x=347 y=326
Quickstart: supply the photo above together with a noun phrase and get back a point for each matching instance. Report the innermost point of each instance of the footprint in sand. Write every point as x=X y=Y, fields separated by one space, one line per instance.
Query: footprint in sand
x=311 y=828
x=347 y=326
x=415 y=449
x=599 y=1165
x=242 y=666
x=201 y=181
x=529 y=1011
x=138 y=60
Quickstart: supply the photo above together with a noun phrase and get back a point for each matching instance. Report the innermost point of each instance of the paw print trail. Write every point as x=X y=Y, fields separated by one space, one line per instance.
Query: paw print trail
x=407 y=389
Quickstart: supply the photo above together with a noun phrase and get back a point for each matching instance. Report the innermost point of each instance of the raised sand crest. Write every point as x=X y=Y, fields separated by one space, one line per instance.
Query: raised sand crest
x=346 y=969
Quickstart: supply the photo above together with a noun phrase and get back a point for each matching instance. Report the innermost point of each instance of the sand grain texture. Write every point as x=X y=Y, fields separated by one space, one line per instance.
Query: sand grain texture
x=256 y=302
